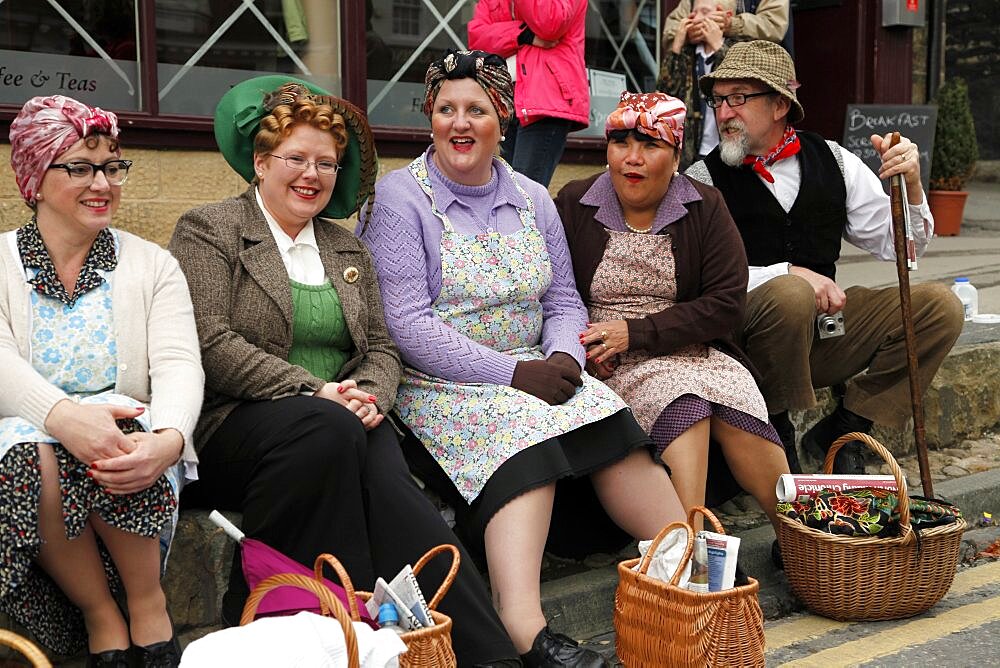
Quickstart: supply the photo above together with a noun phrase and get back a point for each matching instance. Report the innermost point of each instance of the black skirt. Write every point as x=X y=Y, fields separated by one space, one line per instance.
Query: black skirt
x=579 y=525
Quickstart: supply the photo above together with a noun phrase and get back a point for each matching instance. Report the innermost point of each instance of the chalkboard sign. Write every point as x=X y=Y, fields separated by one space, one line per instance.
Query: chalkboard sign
x=915 y=122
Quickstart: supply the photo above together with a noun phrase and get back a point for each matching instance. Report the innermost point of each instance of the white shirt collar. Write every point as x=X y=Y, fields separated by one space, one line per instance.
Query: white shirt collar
x=300 y=255
x=306 y=236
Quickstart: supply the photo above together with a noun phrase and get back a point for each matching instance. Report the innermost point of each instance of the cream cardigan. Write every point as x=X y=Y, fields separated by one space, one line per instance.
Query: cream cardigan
x=159 y=362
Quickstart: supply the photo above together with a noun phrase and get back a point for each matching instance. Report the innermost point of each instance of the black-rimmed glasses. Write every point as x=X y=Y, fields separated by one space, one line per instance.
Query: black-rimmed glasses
x=115 y=171
x=297 y=162
x=733 y=99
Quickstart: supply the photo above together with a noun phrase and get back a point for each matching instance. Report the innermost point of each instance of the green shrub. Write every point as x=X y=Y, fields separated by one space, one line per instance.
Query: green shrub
x=955 y=147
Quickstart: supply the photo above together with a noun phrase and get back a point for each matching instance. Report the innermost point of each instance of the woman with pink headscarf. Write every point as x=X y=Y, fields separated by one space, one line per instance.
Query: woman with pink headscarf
x=662 y=270
x=103 y=386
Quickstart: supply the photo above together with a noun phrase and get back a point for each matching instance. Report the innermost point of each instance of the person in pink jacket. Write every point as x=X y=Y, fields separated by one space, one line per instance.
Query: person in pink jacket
x=542 y=41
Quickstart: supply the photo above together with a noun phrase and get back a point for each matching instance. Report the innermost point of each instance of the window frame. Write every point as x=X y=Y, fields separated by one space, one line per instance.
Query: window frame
x=150 y=128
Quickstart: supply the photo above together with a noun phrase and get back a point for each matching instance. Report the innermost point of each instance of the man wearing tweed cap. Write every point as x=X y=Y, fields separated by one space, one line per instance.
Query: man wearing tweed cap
x=794 y=196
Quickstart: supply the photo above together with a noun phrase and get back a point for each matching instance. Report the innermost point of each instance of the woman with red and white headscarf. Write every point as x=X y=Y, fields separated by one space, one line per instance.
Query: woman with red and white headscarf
x=662 y=270
x=103 y=385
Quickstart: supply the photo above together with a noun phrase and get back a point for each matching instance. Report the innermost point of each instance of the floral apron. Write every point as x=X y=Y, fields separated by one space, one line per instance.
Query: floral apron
x=491 y=286
x=636 y=278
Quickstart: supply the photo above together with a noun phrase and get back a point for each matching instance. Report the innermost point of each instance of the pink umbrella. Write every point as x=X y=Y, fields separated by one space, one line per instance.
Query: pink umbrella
x=261 y=561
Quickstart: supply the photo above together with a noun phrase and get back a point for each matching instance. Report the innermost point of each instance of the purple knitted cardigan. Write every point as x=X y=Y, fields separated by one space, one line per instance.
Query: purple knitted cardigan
x=404 y=238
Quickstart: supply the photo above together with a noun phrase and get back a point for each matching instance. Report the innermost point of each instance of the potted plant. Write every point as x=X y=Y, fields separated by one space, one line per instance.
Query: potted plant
x=954 y=159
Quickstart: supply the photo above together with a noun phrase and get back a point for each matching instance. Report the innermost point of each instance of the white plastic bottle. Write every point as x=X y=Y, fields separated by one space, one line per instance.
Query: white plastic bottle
x=967 y=293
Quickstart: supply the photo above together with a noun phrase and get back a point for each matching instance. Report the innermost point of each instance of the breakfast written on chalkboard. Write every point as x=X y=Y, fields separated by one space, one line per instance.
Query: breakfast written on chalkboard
x=915 y=122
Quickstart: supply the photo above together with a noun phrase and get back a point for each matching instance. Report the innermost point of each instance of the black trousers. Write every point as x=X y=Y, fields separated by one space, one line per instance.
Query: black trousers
x=309 y=479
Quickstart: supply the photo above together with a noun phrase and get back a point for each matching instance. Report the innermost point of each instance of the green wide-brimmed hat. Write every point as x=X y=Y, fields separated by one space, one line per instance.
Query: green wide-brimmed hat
x=237 y=121
x=764 y=61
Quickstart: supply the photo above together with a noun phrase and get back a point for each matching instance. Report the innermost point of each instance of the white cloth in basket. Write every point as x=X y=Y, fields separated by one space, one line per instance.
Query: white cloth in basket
x=303 y=640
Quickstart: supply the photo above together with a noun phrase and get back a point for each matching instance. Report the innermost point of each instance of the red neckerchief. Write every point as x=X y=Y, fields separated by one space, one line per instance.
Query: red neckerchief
x=786 y=148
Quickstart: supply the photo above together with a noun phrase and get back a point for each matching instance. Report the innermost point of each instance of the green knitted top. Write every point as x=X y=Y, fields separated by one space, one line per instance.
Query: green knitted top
x=321 y=343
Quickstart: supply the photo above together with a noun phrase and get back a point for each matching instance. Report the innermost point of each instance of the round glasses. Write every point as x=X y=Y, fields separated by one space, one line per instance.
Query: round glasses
x=733 y=99
x=83 y=173
x=298 y=163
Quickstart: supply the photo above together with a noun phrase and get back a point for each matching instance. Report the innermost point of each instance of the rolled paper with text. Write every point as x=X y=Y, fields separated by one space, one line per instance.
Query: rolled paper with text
x=804 y=487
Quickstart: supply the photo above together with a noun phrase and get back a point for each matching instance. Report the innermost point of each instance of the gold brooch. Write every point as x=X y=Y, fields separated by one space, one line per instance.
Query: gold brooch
x=351 y=274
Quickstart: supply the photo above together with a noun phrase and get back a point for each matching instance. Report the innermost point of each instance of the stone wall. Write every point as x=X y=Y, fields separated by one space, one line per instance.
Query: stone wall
x=973 y=32
x=164 y=183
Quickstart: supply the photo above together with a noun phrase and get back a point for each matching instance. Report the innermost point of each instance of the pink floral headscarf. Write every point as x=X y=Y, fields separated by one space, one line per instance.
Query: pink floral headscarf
x=44 y=128
x=655 y=114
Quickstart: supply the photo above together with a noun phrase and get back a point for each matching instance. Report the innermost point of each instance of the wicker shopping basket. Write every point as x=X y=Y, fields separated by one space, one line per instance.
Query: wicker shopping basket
x=661 y=624
x=329 y=605
x=29 y=649
x=425 y=648
x=865 y=579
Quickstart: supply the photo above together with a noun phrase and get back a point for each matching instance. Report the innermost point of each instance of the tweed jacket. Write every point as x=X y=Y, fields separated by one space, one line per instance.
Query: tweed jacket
x=243 y=308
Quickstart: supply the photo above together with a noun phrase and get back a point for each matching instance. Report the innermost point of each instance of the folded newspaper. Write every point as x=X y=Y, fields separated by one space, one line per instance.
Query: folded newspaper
x=803 y=487
x=404 y=592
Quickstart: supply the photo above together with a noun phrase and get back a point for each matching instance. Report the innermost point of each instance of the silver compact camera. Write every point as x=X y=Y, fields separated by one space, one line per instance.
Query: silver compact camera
x=830 y=325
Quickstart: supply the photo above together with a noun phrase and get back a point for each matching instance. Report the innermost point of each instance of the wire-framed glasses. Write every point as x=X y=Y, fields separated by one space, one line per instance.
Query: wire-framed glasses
x=298 y=163
x=115 y=171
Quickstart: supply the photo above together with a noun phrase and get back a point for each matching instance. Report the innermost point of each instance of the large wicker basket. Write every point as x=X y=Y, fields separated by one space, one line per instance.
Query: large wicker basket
x=425 y=648
x=660 y=624
x=26 y=647
x=851 y=578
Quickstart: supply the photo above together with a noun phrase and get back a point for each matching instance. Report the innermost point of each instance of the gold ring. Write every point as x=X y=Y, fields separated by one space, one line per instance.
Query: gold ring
x=604 y=334
x=605 y=346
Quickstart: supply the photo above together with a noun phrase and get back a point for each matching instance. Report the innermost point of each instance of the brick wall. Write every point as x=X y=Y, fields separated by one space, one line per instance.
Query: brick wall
x=163 y=184
x=973 y=32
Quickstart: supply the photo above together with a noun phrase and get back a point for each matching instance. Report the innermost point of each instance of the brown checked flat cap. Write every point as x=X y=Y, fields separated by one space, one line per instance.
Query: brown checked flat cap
x=762 y=61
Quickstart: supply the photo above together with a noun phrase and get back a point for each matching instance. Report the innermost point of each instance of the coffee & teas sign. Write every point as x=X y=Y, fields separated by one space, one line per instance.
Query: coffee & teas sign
x=111 y=85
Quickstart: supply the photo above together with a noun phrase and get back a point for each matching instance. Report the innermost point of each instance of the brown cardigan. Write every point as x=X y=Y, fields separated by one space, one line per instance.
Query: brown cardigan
x=711 y=270
x=243 y=309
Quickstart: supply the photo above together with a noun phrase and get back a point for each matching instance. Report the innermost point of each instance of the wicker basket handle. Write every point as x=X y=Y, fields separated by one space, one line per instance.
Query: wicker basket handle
x=456 y=560
x=648 y=557
x=26 y=647
x=327 y=602
x=878 y=449
x=345 y=582
x=709 y=515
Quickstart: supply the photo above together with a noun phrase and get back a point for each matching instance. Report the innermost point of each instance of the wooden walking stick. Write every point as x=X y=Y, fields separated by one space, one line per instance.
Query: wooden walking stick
x=906 y=260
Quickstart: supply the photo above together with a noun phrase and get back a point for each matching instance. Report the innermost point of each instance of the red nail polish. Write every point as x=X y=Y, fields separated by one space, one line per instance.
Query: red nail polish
x=90 y=474
x=371 y=398
x=341 y=389
x=93 y=465
x=141 y=409
x=588 y=356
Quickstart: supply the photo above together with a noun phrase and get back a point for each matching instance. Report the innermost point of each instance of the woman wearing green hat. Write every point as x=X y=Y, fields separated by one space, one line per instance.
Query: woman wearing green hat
x=299 y=367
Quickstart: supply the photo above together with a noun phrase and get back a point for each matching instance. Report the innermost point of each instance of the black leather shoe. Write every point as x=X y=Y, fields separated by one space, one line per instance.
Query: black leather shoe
x=112 y=658
x=850 y=459
x=165 y=654
x=786 y=432
x=552 y=650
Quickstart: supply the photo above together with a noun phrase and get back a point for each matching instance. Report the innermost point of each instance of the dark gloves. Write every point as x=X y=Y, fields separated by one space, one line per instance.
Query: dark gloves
x=553 y=380
x=526 y=36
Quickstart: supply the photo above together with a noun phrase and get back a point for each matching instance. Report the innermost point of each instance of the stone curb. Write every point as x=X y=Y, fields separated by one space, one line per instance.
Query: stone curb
x=582 y=606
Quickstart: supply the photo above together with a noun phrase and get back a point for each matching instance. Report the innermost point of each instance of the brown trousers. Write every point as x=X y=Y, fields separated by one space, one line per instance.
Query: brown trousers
x=780 y=338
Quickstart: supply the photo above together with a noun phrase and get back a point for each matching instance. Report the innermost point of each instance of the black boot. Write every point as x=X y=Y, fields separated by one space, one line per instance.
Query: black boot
x=112 y=658
x=165 y=654
x=786 y=432
x=551 y=650
x=850 y=459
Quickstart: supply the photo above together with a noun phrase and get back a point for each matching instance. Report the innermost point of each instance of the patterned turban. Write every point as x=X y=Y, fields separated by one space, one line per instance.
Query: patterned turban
x=655 y=114
x=488 y=69
x=44 y=129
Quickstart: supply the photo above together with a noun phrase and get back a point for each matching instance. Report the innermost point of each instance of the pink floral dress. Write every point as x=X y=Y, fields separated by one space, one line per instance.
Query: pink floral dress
x=636 y=278
x=491 y=286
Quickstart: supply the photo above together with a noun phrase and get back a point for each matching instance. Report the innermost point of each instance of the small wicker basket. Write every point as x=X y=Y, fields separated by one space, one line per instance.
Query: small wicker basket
x=425 y=648
x=660 y=624
x=848 y=578
x=29 y=649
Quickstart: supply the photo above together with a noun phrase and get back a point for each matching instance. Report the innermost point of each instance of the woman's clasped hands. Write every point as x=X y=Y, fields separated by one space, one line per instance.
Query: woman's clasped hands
x=359 y=402
x=604 y=341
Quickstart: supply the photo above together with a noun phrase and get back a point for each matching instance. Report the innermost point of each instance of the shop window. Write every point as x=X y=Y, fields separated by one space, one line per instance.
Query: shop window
x=622 y=52
x=85 y=50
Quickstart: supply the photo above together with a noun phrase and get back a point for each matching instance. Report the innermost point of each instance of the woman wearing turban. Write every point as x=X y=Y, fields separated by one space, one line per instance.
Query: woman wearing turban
x=662 y=269
x=102 y=388
x=479 y=294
